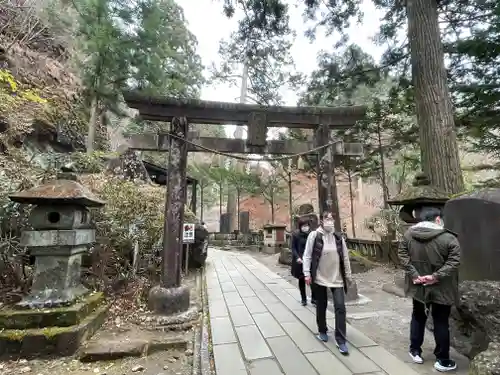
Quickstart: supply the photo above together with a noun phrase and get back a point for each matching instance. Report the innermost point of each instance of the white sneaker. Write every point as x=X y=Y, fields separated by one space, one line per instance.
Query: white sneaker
x=416 y=358
x=445 y=365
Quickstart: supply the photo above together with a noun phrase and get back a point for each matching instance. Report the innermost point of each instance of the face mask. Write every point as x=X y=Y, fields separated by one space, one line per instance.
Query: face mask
x=328 y=225
x=305 y=228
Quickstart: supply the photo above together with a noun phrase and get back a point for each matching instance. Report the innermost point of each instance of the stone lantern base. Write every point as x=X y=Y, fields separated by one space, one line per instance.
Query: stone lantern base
x=59 y=331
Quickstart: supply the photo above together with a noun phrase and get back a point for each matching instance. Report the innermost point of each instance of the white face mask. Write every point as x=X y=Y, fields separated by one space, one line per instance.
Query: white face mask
x=305 y=228
x=328 y=225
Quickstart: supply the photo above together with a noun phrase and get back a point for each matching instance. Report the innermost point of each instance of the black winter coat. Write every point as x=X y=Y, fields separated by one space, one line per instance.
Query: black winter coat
x=299 y=239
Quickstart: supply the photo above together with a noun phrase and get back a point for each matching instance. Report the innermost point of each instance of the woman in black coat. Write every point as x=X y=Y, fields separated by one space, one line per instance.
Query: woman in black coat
x=299 y=238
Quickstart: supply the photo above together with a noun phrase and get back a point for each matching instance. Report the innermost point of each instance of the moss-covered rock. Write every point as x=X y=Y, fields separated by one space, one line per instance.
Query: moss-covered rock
x=359 y=263
x=475 y=321
x=487 y=362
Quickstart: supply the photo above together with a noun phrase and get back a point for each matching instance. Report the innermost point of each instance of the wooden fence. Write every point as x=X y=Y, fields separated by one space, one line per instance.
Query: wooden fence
x=380 y=251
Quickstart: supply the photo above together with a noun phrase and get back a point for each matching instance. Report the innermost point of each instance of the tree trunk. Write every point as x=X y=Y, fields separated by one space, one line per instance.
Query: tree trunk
x=238 y=164
x=351 y=199
x=202 y=187
x=220 y=201
x=383 y=176
x=290 y=208
x=92 y=125
x=438 y=137
x=272 y=208
x=238 y=196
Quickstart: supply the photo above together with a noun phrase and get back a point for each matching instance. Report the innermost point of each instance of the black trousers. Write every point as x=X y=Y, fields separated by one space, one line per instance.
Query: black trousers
x=440 y=317
x=321 y=294
x=302 y=289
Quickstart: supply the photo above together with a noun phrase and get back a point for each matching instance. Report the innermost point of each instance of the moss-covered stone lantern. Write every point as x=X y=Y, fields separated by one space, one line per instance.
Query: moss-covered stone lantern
x=61 y=233
x=59 y=312
x=414 y=198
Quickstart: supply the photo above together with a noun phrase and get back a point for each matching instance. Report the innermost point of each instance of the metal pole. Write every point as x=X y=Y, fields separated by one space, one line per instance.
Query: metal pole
x=186 y=266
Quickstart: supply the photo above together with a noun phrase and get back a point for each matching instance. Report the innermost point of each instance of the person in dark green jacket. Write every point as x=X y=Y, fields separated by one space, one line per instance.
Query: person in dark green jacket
x=430 y=255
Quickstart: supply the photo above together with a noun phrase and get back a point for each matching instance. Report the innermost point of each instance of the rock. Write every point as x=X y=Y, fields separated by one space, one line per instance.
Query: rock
x=352 y=292
x=487 y=362
x=475 y=322
x=172 y=360
x=25 y=370
x=285 y=256
x=108 y=350
x=138 y=368
x=360 y=264
x=168 y=301
x=189 y=352
x=393 y=289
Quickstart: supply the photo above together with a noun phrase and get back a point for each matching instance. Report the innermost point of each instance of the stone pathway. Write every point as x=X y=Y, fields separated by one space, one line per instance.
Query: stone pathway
x=259 y=328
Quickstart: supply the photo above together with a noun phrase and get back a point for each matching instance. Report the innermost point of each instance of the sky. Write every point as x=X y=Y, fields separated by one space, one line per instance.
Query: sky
x=207 y=22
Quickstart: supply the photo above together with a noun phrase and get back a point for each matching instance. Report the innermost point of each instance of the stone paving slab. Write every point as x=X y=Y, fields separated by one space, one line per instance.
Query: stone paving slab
x=260 y=328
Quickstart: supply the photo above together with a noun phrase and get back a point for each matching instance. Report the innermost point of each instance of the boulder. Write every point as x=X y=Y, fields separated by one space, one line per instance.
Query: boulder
x=475 y=321
x=360 y=264
x=285 y=256
x=487 y=362
x=352 y=292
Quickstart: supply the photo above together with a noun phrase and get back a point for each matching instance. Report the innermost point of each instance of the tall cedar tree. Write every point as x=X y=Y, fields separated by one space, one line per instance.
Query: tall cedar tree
x=440 y=158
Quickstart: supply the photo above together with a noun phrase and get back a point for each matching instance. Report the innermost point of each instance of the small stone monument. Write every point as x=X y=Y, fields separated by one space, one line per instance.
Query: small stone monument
x=59 y=312
x=274 y=238
x=473 y=217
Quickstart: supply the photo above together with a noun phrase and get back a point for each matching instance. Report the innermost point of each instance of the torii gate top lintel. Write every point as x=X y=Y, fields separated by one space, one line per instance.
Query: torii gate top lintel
x=223 y=113
x=258 y=118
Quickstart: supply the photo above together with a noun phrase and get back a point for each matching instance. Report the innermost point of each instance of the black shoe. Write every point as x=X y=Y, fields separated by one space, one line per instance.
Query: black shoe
x=445 y=365
x=304 y=302
x=313 y=302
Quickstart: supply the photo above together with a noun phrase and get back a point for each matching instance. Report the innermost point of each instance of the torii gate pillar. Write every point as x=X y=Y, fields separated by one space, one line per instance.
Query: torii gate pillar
x=171 y=297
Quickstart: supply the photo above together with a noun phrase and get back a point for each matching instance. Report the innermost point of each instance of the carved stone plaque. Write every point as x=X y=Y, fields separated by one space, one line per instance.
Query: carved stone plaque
x=257 y=129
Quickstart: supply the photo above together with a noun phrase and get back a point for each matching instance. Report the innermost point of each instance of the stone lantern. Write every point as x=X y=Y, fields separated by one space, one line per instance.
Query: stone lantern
x=421 y=194
x=306 y=211
x=412 y=199
x=61 y=233
x=59 y=312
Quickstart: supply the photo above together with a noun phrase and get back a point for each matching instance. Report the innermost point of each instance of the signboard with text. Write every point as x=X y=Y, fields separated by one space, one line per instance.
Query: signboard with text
x=188 y=233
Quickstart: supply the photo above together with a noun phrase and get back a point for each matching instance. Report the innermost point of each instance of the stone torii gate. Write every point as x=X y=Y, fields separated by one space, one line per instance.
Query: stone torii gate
x=171 y=297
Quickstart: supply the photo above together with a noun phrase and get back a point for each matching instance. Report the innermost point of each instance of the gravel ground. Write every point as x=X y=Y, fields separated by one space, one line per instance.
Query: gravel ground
x=385 y=319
